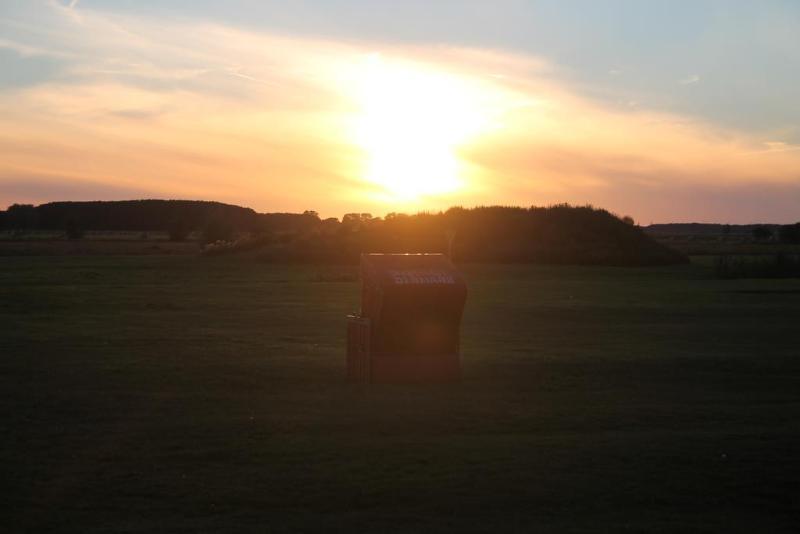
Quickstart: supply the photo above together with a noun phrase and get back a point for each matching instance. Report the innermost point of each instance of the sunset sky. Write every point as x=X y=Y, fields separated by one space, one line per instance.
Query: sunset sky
x=666 y=111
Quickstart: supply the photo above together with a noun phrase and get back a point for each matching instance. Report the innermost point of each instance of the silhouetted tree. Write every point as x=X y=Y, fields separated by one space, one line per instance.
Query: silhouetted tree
x=789 y=233
x=329 y=225
x=762 y=233
x=21 y=217
x=627 y=219
x=73 y=229
x=356 y=221
x=558 y=234
x=555 y=234
x=144 y=215
x=178 y=229
x=217 y=230
x=279 y=223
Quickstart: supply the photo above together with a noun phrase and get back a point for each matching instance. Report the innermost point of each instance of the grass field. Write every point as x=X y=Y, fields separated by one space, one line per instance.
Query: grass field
x=185 y=394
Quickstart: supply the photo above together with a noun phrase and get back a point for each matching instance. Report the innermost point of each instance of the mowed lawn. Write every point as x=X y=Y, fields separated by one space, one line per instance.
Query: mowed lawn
x=185 y=394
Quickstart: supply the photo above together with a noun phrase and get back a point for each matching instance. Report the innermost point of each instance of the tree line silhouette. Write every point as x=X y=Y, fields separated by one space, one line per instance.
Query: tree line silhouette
x=554 y=234
x=180 y=218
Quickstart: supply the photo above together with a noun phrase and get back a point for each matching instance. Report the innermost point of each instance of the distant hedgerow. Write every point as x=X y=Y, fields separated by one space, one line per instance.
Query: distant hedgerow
x=777 y=266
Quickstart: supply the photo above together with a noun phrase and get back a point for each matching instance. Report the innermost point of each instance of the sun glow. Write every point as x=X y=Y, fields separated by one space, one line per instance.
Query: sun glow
x=411 y=122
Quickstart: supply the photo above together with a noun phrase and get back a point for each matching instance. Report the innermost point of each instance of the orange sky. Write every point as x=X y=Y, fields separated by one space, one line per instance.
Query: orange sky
x=177 y=109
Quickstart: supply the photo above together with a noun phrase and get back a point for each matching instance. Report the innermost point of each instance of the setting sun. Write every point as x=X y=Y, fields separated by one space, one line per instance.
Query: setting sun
x=411 y=122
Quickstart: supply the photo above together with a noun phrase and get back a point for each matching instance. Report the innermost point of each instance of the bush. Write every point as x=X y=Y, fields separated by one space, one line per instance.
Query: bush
x=178 y=230
x=73 y=230
x=789 y=233
x=21 y=217
x=217 y=230
x=242 y=244
x=762 y=233
x=556 y=235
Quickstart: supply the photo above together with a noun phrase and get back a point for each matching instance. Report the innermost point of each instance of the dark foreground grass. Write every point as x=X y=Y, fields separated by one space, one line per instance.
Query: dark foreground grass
x=176 y=394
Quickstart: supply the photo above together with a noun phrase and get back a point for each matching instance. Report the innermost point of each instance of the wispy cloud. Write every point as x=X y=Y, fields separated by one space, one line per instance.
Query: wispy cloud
x=24 y=49
x=190 y=109
x=776 y=146
x=689 y=80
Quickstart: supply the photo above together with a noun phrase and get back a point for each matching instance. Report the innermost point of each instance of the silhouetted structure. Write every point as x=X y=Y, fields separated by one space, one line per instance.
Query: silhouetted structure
x=408 y=328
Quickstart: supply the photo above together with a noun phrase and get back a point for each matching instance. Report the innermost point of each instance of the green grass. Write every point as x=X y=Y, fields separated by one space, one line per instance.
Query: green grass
x=184 y=394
